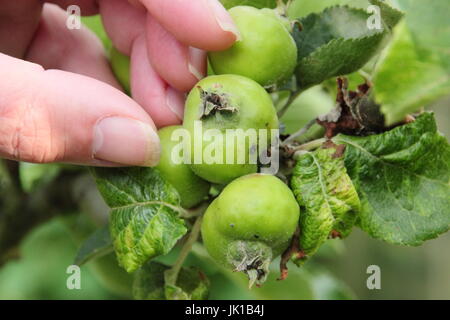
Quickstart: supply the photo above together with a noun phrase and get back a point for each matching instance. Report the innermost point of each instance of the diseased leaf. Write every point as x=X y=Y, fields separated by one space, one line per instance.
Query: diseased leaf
x=149 y=284
x=403 y=180
x=144 y=213
x=355 y=113
x=325 y=191
x=97 y=245
x=333 y=43
x=414 y=71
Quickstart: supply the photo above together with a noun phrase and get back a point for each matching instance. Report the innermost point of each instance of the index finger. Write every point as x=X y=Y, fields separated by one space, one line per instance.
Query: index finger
x=204 y=24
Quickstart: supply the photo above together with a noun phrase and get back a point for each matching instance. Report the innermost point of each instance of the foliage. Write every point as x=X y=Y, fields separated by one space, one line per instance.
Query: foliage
x=332 y=43
x=396 y=174
x=414 y=71
x=323 y=188
x=144 y=213
x=149 y=284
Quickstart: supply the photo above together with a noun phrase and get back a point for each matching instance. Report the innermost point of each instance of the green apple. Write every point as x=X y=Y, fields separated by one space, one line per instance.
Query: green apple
x=120 y=65
x=266 y=52
x=250 y=224
x=224 y=105
x=192 y=189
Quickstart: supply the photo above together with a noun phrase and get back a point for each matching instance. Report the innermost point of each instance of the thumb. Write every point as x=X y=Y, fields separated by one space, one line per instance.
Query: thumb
x=57 y=116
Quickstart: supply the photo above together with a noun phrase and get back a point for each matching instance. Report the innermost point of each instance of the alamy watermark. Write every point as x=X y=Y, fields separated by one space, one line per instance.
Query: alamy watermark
x=74 y=17
x=374 y=280
x=374 y=21
x=73 y=281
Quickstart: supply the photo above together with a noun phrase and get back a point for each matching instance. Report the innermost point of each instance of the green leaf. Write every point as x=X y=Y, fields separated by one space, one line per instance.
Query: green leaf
x=415 y=68
x=334 y=43
x=327 y=195
x=192 y=284
x=428 y=22
x=254 y=3
x=403 y=180
x=145 y=211
x=149 y=284
x=33 y=175
x=97 y=245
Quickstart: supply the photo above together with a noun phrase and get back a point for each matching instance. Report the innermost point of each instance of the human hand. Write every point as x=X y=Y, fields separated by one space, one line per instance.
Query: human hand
x=74 y=111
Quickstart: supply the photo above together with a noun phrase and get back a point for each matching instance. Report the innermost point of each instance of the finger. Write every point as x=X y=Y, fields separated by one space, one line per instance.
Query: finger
x=87 y=7
x=125 y=25
x=123 y=22
x=164 y=104
x=137 y=4
x=57 y=116
x=78 y=50
x=179 y=65
x=203 y=24
x=18 y=22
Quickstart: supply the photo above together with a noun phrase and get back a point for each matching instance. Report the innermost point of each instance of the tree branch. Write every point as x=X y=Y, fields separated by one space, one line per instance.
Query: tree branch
x=292 y=97
x=171 y=275
x=299 y=133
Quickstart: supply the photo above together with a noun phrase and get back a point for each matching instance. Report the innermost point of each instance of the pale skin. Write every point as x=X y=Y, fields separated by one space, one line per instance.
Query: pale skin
x=59 y=101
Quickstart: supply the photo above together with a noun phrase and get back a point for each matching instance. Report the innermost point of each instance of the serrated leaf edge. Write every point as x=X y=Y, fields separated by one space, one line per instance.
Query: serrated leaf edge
x=304 y=60
x=434 y=233
x=340 y=6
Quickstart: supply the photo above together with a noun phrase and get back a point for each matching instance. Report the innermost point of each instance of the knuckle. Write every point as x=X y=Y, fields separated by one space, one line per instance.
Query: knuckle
x=25 y=132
